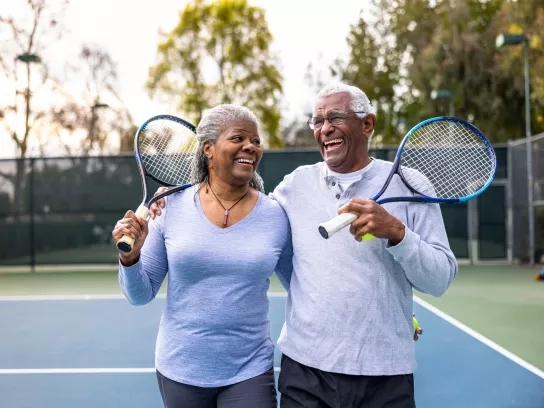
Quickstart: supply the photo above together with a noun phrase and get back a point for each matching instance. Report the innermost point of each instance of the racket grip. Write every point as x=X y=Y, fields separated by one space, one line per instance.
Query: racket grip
x=331 y=227
x=126 y=243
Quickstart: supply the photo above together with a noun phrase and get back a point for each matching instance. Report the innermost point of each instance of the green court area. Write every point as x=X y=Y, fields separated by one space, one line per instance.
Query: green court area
x=502 y=302
x=69 y=281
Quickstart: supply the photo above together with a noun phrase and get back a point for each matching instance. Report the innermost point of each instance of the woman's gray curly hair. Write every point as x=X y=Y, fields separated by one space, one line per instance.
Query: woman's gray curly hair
x=209 y=129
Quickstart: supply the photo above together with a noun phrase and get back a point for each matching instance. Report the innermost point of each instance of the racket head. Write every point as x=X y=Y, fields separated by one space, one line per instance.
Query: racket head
x=446 y=159
x=165 y=147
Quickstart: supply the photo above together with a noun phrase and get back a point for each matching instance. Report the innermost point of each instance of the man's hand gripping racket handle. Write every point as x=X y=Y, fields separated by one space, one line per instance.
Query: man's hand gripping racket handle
x=331 y=227
x=125 y=244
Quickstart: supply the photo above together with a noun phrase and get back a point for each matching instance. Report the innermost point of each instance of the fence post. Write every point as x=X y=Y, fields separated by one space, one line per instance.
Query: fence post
x=509 y=204
x=473 y=236
x=32 y=233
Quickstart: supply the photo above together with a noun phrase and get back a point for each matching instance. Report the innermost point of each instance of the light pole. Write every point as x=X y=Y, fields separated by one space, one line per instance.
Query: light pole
x=28 y=59
x=504 y=40
x=444 y=94
x=92 y=124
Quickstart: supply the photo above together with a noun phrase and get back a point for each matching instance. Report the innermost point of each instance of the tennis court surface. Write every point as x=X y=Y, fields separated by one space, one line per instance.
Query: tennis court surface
x=97 y=351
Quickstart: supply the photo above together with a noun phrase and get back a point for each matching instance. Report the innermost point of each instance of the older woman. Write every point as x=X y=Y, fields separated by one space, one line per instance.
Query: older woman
x=218 y=242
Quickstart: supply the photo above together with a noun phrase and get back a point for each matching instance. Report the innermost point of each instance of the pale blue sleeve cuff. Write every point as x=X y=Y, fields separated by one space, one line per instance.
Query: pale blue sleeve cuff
x=130 y=275
x=405 y=248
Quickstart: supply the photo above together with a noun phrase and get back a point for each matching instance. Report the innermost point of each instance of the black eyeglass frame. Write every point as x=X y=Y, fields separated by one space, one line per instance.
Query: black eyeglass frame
x=327 y=117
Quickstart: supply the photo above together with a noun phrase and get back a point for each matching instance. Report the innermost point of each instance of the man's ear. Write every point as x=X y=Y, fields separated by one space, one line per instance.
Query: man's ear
x=369 y=122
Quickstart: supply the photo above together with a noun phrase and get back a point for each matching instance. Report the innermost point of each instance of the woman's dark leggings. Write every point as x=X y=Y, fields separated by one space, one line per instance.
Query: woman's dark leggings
x=256 y=392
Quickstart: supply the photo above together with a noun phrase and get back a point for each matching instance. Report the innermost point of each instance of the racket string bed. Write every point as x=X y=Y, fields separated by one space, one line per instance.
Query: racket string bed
x=163 y=163
x=167 y=153
x=453 y=160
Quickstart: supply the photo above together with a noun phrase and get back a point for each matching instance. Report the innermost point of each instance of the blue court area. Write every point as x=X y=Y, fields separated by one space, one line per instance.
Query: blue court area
x=98 y=352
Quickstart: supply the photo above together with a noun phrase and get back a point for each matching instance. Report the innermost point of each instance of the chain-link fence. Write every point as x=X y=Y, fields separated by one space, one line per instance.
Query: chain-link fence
x=59 y=211
x=520 y=221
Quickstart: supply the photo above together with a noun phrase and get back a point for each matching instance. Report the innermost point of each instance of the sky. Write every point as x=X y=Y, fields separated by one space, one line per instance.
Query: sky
x=303 y=31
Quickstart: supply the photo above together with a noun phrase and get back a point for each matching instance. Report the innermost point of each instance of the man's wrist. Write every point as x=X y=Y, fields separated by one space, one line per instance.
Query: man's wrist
x=397 y=234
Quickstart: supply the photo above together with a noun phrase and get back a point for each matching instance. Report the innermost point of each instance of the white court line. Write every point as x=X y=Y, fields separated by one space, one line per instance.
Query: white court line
x=26 y=371
x=426 y=305
x=76 y=370
x=31 y=298
x=480 y=337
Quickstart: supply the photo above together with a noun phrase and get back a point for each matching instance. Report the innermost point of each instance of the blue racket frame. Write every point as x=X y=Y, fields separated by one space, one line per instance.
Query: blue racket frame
x=423 y=197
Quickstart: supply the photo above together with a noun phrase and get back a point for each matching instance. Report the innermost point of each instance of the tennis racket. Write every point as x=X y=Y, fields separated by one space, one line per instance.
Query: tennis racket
x=440 y=160
x=164 y=148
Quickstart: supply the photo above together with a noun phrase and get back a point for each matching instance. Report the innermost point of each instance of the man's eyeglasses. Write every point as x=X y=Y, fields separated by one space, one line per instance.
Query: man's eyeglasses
x=335 y=118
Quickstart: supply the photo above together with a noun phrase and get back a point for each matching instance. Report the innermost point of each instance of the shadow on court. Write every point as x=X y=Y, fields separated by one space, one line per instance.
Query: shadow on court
x=99 y=352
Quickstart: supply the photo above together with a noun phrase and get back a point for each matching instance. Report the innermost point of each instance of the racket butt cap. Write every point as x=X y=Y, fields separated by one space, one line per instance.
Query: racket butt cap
x=331 y=227
x=323 y=232
x=124 y=247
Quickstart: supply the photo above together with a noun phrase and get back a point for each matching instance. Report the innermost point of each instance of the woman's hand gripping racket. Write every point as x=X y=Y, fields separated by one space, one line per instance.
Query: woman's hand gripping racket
x=440 y=160
x=164 y=148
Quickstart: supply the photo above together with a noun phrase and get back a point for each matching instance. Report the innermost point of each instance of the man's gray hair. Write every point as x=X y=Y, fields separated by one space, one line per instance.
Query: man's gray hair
x=209 y=129
x=359 y=100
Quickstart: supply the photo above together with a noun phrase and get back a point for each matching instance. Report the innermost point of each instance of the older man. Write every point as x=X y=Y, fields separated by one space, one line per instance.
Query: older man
x=347 y=340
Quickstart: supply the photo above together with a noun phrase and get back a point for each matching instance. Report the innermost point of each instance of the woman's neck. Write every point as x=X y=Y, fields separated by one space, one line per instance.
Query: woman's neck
x=226 y=192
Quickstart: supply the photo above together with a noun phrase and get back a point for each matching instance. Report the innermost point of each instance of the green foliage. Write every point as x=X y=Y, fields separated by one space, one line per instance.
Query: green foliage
x=404 y=49
x=517 y=18
x=219 y=52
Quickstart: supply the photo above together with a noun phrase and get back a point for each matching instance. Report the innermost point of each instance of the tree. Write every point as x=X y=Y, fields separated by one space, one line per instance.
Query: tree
x=219 y=52
x=400 y=51
x=87 y=115
x=23 y=40
x=373 y=66
x=459 y=56
x=527 y=18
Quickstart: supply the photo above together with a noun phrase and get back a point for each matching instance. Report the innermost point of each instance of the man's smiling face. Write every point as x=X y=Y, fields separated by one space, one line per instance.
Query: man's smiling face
x=343 y=144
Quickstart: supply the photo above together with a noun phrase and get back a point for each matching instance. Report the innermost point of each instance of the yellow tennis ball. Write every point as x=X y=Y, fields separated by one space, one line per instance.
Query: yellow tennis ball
x=416 y=324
